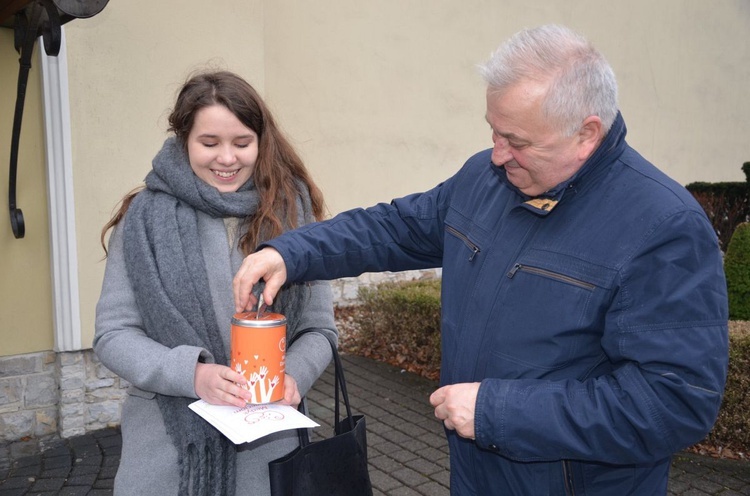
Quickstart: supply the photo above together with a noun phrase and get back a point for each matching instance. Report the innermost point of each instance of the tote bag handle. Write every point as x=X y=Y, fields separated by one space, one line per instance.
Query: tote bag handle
x=339 y=383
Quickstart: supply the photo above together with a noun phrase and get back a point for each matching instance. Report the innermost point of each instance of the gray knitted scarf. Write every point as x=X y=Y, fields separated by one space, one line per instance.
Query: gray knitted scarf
x=165 y=265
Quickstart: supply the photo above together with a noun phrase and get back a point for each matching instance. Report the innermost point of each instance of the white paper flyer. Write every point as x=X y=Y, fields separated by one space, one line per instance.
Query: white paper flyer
x=244 y=425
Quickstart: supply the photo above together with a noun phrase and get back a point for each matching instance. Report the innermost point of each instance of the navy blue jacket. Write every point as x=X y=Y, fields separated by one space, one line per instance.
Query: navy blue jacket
x=595 y=317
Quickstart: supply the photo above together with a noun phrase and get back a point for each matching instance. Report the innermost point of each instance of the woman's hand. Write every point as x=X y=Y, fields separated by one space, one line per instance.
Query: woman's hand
x=291 y=393
x=220 y=385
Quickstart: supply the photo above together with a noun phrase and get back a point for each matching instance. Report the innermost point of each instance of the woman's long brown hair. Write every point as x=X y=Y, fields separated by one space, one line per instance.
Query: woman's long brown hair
x=278 y=172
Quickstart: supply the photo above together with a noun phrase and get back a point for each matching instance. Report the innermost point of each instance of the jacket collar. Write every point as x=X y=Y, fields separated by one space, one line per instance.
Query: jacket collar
x=611 y=148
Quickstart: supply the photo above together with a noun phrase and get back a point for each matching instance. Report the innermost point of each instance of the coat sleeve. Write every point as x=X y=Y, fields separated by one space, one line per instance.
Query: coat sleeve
x=405 y=234
x=122 y=345
x=666 y=339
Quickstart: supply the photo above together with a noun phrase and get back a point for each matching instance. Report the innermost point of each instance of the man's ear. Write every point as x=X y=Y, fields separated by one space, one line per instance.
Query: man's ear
x=590 y=136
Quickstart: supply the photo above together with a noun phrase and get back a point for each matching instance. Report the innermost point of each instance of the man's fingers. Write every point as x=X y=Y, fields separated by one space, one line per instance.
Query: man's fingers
x=437 y=397
x=455 y=405
x=265 y=264
x=271 y=290
x=242 y=285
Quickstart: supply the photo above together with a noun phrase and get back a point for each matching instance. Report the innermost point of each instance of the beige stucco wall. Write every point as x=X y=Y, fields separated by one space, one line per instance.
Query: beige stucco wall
x=382 y=98
x=25 y=284
x=125 y=66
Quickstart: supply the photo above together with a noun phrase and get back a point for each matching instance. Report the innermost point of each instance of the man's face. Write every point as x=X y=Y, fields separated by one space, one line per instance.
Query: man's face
x=536 y=157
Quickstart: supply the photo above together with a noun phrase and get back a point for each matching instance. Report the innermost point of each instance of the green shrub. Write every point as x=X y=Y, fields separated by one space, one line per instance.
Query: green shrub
x=737 y=269
x=400 y=322
x=732 y=428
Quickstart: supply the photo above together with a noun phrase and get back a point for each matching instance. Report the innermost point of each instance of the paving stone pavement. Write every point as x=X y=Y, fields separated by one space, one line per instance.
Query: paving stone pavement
x=407 y=450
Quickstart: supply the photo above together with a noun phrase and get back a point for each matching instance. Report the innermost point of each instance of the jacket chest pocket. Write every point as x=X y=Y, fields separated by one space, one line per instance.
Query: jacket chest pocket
x=551 y=313
x=464 y=243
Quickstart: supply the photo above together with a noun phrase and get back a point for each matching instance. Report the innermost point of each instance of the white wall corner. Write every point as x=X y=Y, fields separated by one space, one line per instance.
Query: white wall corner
x=64 y=251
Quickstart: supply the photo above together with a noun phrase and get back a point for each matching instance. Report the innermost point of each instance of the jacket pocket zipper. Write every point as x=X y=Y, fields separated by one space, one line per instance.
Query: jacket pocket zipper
x=551 y=275
x=568 y=475
x=474 y=248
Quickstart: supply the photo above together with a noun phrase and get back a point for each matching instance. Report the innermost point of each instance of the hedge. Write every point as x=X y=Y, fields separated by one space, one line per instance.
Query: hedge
x=727 y=204
x=737 y=269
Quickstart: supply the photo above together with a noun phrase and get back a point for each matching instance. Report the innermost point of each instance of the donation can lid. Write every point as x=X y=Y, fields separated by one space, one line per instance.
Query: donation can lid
x=252 y=319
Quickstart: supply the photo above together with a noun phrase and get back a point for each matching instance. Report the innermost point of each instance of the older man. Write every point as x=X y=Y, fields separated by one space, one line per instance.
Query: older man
x=584 y=307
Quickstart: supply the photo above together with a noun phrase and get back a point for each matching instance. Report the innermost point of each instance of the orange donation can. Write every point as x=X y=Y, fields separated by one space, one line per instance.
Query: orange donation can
x=259 y=353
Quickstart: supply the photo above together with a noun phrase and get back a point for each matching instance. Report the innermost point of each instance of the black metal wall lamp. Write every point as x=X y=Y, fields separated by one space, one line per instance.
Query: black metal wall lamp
x=32 y=19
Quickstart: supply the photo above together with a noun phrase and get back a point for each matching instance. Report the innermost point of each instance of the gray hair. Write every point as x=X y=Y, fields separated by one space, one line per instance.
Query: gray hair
x=581 y=81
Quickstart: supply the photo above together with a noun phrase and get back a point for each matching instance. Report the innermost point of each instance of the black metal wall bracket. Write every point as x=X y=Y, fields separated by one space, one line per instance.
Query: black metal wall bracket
x=39 y=18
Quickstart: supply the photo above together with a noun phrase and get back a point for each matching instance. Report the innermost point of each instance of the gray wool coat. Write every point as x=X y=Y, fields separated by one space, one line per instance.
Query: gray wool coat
x=148 y=464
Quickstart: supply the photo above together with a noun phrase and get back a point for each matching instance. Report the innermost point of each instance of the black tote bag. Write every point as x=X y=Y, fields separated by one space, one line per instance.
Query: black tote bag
x=336 y=466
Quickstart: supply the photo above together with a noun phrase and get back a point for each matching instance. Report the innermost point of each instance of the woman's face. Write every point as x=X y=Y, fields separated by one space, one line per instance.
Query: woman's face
x=222 y=151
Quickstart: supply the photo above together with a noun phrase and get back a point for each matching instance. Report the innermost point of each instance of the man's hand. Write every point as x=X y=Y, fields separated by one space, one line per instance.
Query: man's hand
x=265 y=264
x=454 y=405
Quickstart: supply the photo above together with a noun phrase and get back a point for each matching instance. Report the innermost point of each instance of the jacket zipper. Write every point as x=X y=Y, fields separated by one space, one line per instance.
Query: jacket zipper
x=570 y=489
x=550 y=274
x=474 y=248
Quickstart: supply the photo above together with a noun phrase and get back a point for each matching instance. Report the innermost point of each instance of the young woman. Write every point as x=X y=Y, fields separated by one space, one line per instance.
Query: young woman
x=227 y=180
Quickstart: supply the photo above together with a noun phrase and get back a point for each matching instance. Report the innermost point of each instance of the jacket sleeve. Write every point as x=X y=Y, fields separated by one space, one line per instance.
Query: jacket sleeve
x=666 y=339
x=124 y=348
x=403 y=235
